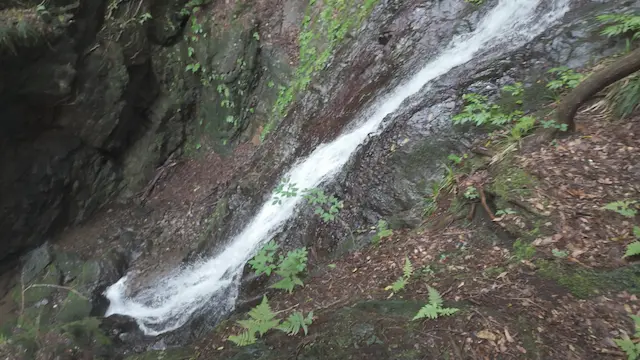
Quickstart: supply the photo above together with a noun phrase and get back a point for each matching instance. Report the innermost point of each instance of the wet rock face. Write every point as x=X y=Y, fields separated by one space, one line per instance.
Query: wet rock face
x=391 y=175
x=83 y=115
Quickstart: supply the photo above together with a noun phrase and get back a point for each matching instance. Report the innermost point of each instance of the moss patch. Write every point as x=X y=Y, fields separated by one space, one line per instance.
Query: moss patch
x=35 y=293
x=511 y=182
x=170 y=354
x=74 y=308
x=584 y=283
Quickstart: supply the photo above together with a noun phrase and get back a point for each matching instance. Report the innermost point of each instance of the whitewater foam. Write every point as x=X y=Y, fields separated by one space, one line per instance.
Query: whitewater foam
x=168 y=303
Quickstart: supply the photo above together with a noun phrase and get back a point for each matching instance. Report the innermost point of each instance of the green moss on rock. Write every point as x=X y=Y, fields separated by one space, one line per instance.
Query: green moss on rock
x=170 y=354
x=584 y=283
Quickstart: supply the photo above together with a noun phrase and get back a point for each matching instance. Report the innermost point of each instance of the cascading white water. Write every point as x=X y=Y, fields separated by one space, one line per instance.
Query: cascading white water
x=168 y=303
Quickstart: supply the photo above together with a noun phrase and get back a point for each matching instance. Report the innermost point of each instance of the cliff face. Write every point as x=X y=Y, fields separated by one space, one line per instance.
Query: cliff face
x=95 y=95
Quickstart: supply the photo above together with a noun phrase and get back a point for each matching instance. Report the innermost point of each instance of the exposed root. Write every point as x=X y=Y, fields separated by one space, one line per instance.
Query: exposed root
x=483 y=201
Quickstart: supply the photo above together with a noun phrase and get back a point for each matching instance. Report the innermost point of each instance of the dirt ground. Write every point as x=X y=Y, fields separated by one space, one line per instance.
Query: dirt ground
x=545 y=281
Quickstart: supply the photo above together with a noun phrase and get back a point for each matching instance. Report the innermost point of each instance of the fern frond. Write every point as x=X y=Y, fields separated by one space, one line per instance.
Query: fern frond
x=435 y=299
x=629 y=347
x=295 y=322
x=262 y=319
x=243 y=339
x=447 y=311
x=434 y=308
x=407 y=270
x=427 y=311
x=636 y=321
x=397 y=285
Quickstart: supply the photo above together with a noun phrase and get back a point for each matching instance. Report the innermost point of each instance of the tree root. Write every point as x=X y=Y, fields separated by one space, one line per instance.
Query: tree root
x=483 y=201
x=596 y=82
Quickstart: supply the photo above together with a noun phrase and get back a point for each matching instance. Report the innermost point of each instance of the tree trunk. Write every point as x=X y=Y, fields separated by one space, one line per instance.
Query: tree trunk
x=593 y=84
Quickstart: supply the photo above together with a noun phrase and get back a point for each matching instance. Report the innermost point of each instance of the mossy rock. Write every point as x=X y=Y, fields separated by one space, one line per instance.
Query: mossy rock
x=511 y=182
x=87 y=277
x=169 y=354
x=85 y=333
x=70 y=265
x=584 y=283
x=38 y=289
x=74 y=308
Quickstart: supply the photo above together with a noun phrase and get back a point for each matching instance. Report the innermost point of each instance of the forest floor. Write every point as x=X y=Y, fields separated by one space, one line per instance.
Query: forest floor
x=546 y=280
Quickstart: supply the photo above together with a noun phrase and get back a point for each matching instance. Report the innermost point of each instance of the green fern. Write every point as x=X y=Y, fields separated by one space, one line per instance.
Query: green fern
x=243 y=339
x=623 y=97
x=629 y=346
x=289 y=268
x=261 y=319
x=434 y=308
x=407 y=271
x=295 y=322
x=397 y=285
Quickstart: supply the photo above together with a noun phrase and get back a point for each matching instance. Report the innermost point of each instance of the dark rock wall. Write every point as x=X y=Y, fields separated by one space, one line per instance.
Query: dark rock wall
x=74 y=105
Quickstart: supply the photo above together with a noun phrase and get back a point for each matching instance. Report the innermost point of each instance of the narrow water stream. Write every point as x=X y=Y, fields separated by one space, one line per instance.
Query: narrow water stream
x=212 y=285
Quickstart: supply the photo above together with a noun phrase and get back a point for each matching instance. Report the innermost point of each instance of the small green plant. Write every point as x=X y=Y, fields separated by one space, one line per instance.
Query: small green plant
x=285 y=189
x=522 y=250
x=144 y=18
x=327 y=207
x=328 y=25
x=427 y=270
x=471 y=193
x=261 y=319
x=437 y=188
x=626 y=208
x=457 y=159
x=507 y=211
x=194 y=68
x=382 y=231
x=631 y=347
x=566 y=79
x=559 y=253
x=434 y=309
x=516 y=90
x=547 y=124
x=633 y=249
x=623 y=97
x=295 y=322
x=478 y=111
x=290 y=268
x=522 y=126
x=407 y=271
x=256 y=36
x=263 y=262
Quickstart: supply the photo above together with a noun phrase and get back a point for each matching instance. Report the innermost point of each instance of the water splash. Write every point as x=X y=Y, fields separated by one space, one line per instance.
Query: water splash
x=168 y=303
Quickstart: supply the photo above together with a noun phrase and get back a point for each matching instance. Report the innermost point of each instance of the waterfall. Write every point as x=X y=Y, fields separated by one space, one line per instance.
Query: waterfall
x=169 y=302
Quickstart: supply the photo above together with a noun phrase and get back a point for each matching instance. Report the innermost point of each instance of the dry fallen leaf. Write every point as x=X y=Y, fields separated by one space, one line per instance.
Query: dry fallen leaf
x=486 y=335
x=507 y=335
